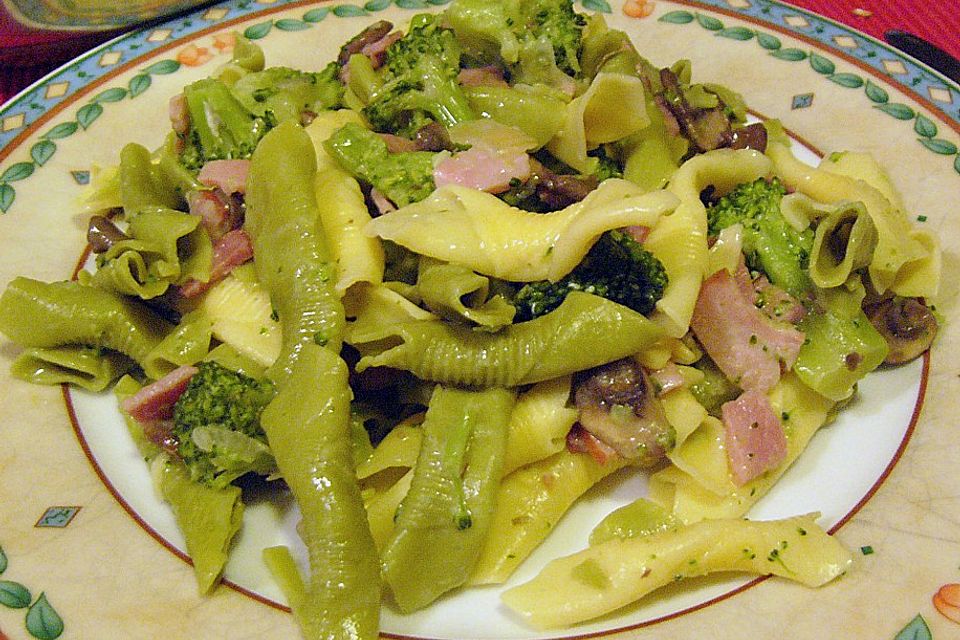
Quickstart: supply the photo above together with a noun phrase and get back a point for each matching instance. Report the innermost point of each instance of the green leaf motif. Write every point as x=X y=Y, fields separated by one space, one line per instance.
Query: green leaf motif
x=111 y=95
x=897 y=110
x=288 y=24
x=924 y=127
x=439 y=3
x=162 y=68
x=377 y=5
x=316 y=15
x=597 y=5
x=736 y=33
x=956 y=164
x=876 y=94
x=769 y=42
x=7 y=195
x=18 y=171
x=353 y=11
x=709 y=22
x=943 y=147
x=3 y=560
x=88 y=113
x=138 y=84
x=848 y=80
x=62 y=130
x=917 y=629
x=257 y=31
x=677 y=17
x=42 y=151
x=793 y=55
x=43 y=621
x=14 y=595
x=822 y=65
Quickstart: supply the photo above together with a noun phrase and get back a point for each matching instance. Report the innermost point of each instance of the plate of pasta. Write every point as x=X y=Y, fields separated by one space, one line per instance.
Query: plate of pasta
x=479 y=318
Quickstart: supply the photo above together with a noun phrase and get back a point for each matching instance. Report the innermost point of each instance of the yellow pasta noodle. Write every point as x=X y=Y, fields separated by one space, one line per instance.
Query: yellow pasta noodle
x=480 y=231
x=539 y=423
x=608 y=576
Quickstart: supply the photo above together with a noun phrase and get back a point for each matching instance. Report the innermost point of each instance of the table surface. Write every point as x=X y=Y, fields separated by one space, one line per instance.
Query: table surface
x=27 y=54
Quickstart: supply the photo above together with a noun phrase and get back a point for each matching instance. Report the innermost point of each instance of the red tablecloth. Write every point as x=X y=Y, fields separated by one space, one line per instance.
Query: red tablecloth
x=26 y=55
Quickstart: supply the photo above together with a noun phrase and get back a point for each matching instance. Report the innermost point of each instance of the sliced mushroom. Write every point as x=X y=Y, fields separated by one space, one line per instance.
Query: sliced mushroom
x=371 y=34
x=907 y=325
x=618 y=405
x=103 y=234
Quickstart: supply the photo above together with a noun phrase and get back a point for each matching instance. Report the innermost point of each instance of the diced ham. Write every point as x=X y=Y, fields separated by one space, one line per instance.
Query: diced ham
x=155 y=401
x=380 y=202
x=377 y=50
x=229 y=175
x=579 y=440
x=746 y=345
x=397 y=144
x=776 y=303
x=231 y=251
x=218 y=212
x=483 y=169
x=489 y=76
x=637 y=232
x=179 y=116
x=667 y=379
x=753 y=436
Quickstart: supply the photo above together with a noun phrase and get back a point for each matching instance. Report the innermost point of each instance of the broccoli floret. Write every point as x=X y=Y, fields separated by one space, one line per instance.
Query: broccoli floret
x=494 y=28
x=217 y=425
x=287 y=93
x=770 y=243
x=420 y=81
x=617 y=267
x=402 y=177
x=220 y=126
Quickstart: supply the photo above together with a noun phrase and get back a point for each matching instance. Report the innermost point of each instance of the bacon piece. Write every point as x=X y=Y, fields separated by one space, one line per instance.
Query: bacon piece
x=228 y=175
x=397 y=144
x=746 y=345
x=219 y=213
x=483 y=169
x=179 y=116
x=638 y=233
x=155 y=401
x=667 y=379
x=489 y=76
x=776 y=303
x=380 y=202
x=579 y=440
x=377 y=50
x=231 y=251
x=754 y=437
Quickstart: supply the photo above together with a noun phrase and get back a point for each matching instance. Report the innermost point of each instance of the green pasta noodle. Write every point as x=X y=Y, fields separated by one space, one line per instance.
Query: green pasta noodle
x=85 y=367
x=539 y=114
x=188 y=343
x=573 y=337
x=457 y=293
x=307 y=426
x=844 y=243
x=290 y=254
x=47 y=315
x=142 y=184
x=443 y=520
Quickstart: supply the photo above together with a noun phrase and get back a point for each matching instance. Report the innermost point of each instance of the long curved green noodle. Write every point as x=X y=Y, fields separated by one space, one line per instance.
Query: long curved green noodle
x=844 y=243
x=142 y=184
x=575 y=336
x=291 y=256
x=456 y=292
x=47 y=315
x=188 y=343
x=85 y=367
x=443 y=520
x=307 y=426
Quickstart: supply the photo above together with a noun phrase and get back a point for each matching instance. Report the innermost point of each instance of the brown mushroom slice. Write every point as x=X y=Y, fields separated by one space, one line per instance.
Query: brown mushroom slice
x=618 y=405
x=103 y=234
x=907 y=324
